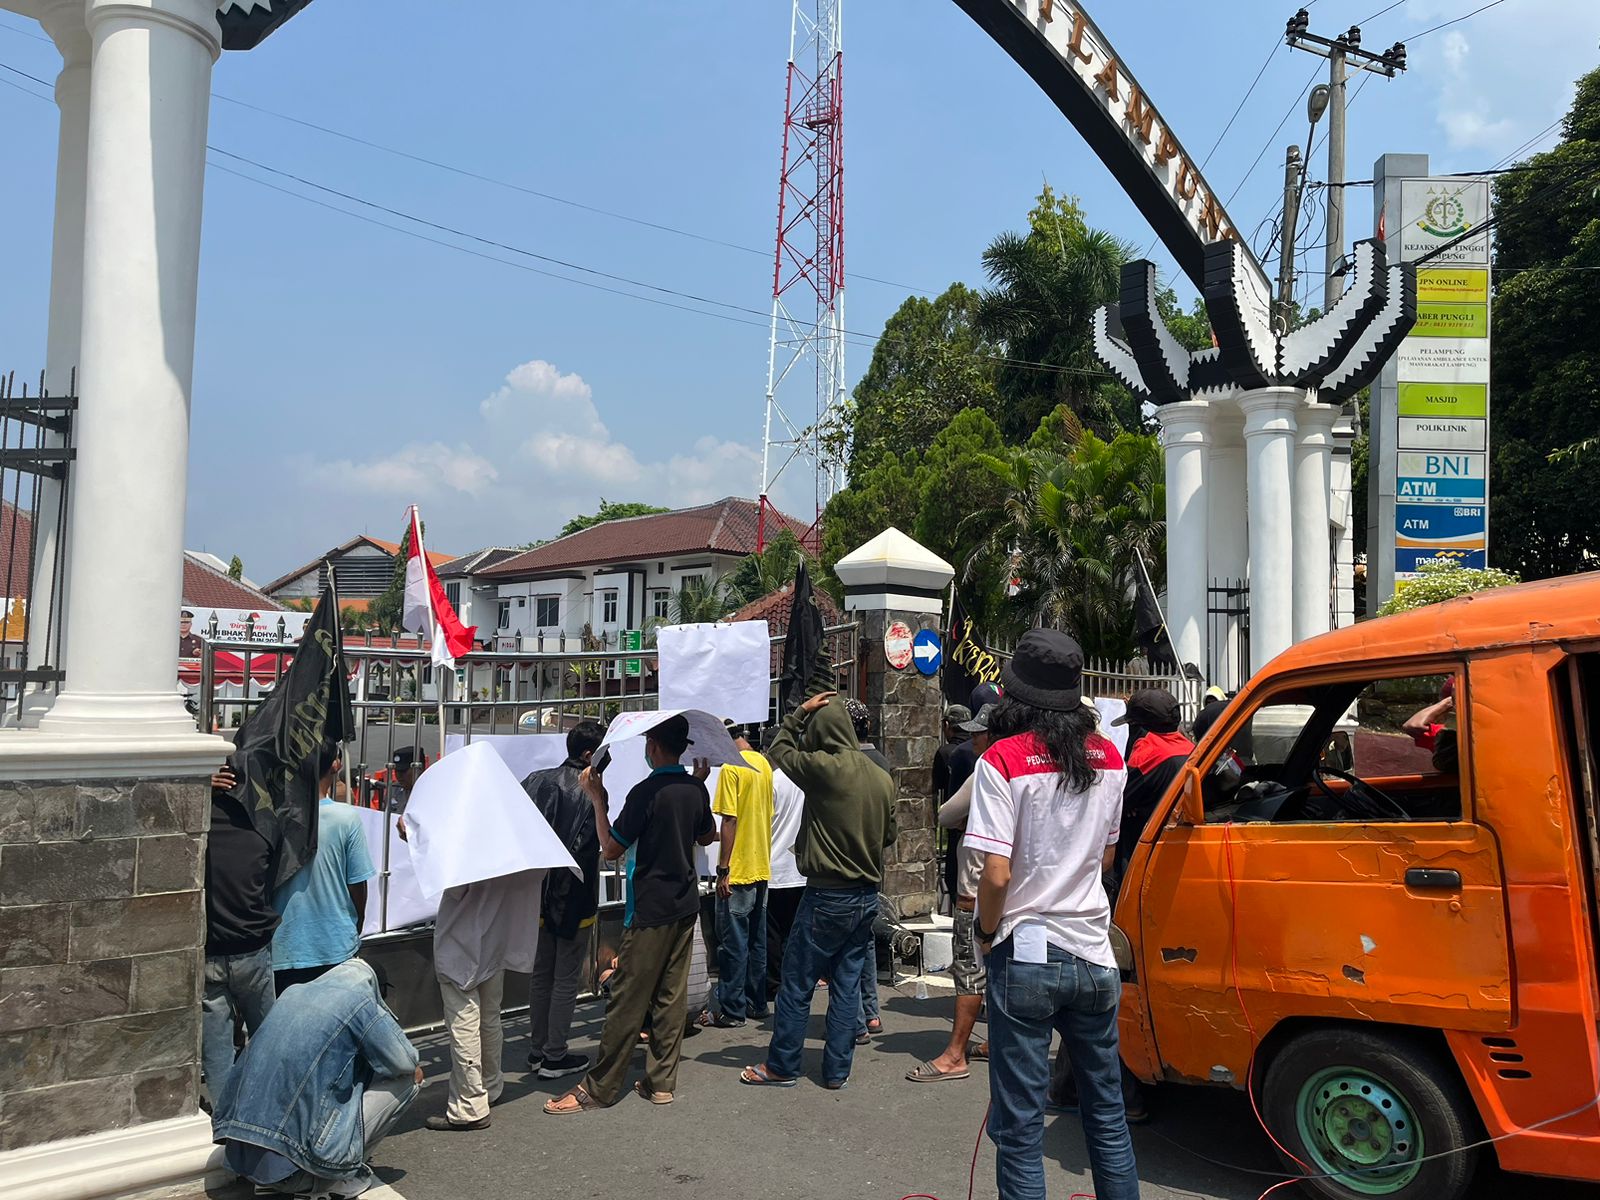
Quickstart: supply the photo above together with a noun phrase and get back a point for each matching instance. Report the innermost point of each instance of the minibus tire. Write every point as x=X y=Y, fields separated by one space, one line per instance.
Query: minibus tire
x=1381 y=1112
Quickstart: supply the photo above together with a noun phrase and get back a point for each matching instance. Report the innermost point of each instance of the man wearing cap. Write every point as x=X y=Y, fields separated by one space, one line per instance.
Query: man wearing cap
x=402 y=778
x=955 y=715
x=662 y=820
x=190 y=644
x=1156 y=752
x=1215 y=701
x=966 y=965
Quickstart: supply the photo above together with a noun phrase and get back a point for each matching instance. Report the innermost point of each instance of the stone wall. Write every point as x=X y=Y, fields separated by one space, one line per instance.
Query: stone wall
x=102 y=933
x=907 y=709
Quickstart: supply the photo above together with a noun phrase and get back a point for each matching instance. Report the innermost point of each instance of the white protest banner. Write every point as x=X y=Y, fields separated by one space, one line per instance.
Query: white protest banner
x=711 y=739
x=524 y=753
x=407 y=904
x=1110 y=708
x=469 y=819
x=724 y=669
x=233 y=623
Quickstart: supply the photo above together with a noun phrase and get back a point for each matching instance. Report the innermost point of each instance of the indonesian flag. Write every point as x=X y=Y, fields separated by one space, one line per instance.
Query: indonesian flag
x=427 y=610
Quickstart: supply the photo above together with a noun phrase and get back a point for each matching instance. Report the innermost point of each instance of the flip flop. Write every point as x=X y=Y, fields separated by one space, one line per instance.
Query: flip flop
x=653 y=1097
x=979 y=1053
x=759 y=1076
x=711 y=1020
x=928 y=1073
x=586 y=1103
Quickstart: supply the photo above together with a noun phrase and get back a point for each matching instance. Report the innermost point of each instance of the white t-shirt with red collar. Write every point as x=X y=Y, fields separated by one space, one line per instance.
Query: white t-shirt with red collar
x=1055 y=839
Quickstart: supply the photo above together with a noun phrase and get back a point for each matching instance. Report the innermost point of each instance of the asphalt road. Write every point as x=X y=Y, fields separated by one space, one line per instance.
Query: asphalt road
x=880 y=1139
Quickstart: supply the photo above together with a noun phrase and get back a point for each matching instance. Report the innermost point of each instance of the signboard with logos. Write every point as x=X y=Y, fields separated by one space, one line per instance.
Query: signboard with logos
x=631 y=640
x=1434 y=396
x=236 y=624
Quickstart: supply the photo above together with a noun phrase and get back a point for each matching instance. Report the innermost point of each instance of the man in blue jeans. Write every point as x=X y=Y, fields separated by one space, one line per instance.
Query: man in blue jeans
x=1046 y=800
x=744 y=867
x=847 y=821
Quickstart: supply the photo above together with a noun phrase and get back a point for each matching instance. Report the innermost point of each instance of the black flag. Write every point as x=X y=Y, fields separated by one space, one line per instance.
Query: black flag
x=1150 y=628
x=955 y=679
x=802 y=643
x=275 y=763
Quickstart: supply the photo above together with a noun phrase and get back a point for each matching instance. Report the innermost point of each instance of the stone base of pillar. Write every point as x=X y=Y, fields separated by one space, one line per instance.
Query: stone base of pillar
x=162 y=1158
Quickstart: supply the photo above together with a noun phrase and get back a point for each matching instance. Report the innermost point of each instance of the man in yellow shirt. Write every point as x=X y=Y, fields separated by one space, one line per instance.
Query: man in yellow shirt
x=744 y=865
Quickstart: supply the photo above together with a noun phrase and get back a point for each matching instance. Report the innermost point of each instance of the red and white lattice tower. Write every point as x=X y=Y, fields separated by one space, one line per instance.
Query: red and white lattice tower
x=805 y=357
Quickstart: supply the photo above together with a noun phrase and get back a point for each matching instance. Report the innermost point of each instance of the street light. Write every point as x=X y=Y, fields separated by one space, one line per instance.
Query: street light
x=1317 y=102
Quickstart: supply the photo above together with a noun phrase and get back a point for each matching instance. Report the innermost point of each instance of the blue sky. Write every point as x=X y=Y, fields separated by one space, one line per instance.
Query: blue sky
x=344 y=370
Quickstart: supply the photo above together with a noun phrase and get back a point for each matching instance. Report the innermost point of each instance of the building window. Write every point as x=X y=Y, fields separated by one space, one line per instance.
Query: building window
x=608 y=608
x=505 y=615
x=547 y=611
x=659 y=601
x=452 y=593
x=693 y=583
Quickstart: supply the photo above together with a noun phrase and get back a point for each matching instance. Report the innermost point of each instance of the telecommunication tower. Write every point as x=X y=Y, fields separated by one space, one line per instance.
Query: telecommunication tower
x=805 y=354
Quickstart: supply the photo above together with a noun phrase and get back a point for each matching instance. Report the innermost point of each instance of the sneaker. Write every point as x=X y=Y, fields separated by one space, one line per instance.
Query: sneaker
x=567 y=1064
x=535 y=1061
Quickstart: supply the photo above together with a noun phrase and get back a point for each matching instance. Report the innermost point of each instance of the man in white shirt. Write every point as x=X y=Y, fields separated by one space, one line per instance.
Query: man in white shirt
x=786 y=885
x=1046 y=802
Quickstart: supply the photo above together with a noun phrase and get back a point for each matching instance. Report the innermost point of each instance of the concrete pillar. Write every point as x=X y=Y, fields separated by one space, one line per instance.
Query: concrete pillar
x=148 y=108
x=894 y=579
x=1313 y=541
x=63 y=20
x=1185 y=428
x=1344 y=522
x=1269 y=430
x=1227 y=540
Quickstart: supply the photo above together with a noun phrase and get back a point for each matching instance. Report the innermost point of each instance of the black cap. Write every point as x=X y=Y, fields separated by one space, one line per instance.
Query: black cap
x=673 y=733
x=404 y=758
x=979 y=723
x=1046 y=671
x=1155 y=709
x=984 y=693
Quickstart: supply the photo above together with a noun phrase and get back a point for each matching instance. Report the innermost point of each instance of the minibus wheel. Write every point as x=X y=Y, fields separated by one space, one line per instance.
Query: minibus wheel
x=1370 y=1113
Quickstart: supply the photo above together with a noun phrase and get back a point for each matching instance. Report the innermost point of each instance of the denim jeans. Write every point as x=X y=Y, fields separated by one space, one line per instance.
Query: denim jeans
x=742 y=951
x=1078 y=999
x=869 y=990
x=242 y=981
x=381 y=1106
x=832 y=936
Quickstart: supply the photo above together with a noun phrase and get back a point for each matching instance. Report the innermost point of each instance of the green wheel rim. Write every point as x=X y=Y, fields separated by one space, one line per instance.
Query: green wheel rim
x=1357 y=1127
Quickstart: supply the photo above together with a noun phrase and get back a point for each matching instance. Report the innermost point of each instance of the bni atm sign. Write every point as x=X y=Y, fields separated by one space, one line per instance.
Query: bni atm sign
x=1429 y=477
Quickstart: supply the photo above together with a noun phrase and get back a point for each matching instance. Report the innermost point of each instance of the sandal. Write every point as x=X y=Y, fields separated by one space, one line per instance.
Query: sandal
x=874 y=1026
x=583 y=1102
x=760 y=1076
x=928 y=1073
x=979 y=1053
x=710 y=1020
x=653 y=1097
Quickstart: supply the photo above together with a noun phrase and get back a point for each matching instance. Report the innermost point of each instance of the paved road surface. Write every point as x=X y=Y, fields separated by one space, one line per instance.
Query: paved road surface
x=880 y=1139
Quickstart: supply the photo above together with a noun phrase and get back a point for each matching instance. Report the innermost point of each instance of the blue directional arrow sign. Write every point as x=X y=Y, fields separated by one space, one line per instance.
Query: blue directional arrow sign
x=927 y=652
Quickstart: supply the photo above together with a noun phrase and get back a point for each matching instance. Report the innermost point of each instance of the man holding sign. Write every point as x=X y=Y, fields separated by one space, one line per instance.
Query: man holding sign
x=661 y=822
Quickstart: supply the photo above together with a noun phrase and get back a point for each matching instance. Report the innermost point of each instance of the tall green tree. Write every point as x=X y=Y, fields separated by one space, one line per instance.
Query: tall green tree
x=1045 y=285
x=610 y=510
x=383 y=614
x=236 y=568
x=1077 y=513
x=763 y=573
x=1546 y=365
x=929 y=365
x=954 y=489
x=883 y=495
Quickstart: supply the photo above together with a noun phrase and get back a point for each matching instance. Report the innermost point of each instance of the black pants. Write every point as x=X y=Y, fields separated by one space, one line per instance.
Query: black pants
x=283 y=980
x=782 y=904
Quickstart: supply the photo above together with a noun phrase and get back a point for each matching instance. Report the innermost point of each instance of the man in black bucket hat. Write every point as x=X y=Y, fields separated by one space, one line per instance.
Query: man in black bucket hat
x=1046 y=798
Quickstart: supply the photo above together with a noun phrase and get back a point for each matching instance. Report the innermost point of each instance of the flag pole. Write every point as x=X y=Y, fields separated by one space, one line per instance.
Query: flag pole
x=1155 y=599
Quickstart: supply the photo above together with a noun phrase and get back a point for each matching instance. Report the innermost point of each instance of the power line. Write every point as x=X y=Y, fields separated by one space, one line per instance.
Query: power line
x=1266 y=145
x=482 y=177
x=1381 y=11
x=1454 y=20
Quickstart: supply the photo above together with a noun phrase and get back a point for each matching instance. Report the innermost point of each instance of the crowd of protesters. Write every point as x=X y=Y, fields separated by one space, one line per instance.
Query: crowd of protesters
x=1040 y=809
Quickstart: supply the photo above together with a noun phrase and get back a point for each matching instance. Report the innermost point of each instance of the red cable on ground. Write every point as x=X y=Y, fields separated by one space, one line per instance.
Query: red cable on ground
x=972 y=1173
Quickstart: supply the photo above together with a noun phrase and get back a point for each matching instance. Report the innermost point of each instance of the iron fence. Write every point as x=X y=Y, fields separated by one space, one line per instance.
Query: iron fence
x=1116 y=679
x=36 y=456
x=1228 y=633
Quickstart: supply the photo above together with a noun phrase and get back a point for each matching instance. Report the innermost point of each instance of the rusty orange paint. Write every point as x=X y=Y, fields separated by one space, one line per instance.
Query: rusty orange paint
x=1315 y=922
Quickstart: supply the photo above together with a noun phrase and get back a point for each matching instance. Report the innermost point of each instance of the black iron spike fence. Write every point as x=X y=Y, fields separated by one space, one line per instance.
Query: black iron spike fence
x=36 y=456
x=1228 y=633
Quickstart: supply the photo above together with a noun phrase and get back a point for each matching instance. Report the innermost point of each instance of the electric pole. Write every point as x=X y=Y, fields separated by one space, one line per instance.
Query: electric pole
x=1343 y=54
x=1292 y=174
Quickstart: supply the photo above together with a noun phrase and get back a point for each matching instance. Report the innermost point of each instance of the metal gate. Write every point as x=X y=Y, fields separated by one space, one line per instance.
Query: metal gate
x=1228 y=633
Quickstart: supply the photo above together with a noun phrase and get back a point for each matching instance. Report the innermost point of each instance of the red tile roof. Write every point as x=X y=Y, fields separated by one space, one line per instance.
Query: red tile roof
x=16 y=538
x=727 y=526
x=775 y=609
x=205 y=587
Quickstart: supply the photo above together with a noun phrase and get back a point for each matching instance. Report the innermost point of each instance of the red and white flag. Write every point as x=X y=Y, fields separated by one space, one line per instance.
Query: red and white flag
x=427 y=609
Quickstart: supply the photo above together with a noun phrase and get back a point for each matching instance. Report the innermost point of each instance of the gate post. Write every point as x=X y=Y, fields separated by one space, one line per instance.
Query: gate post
x=894 y=579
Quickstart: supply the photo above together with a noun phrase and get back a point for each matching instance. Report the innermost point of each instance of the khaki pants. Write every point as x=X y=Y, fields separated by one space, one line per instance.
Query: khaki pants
x=476 y=1042
x=652 y=980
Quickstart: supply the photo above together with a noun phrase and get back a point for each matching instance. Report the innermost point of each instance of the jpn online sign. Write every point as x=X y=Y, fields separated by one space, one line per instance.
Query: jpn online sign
x=1442 y=438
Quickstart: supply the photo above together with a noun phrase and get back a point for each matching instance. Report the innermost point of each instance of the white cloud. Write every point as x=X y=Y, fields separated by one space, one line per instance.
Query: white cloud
x=540 y=453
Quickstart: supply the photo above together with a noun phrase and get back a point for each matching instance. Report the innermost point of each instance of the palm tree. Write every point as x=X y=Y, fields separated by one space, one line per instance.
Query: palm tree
x=1075 y=519
x=697 y=601
x=765 y=572
x=1045 y=287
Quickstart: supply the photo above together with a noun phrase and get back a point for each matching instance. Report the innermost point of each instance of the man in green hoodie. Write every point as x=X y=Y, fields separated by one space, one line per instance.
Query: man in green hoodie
x=847 y=821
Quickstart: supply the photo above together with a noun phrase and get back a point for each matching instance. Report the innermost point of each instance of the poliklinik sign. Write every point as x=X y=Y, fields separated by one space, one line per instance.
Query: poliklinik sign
x=1074 y=64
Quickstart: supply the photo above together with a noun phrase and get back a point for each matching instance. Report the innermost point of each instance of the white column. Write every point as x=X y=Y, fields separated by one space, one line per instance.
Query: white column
x=1228 y=547
x=1343 y=516
x=1313 y=540
x=1184 y=431
x=1269 y=427
x=148 y=108
x=63 y=20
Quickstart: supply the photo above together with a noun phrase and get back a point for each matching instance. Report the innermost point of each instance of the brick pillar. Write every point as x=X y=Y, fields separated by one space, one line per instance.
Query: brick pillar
x=102 y=932
x=894 y=579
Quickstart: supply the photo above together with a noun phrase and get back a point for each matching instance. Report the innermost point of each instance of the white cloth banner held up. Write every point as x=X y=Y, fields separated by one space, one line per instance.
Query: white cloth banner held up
x=724 y=669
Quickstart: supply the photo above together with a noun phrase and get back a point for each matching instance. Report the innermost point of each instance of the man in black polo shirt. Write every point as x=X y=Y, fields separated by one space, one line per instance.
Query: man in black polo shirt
x=662 y=821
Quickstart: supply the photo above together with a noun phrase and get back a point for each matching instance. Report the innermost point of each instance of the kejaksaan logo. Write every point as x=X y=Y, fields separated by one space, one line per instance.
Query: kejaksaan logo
x=1444 y=215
